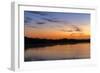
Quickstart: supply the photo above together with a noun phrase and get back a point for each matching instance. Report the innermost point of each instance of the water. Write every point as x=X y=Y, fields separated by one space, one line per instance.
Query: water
x=58 y=52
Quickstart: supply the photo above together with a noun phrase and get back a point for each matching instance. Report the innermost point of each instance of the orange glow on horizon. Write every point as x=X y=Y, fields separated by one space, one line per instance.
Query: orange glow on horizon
x=57 y=35
x=48 y=33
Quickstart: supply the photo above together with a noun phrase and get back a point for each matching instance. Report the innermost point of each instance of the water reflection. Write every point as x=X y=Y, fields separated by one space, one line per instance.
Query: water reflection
x=58 y=52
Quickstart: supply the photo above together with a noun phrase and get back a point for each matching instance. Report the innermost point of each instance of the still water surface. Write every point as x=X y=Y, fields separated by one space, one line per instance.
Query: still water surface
x=58 y=52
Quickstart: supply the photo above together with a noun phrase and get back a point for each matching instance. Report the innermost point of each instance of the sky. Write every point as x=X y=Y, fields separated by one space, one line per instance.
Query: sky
x=56 y=25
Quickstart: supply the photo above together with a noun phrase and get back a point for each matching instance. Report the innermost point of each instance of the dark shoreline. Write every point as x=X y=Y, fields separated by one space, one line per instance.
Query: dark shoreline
x=37 y=43
x=41 y=59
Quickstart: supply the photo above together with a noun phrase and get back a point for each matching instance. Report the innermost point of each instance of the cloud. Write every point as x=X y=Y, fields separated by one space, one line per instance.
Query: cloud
x=47 y=20
x=40 y=23
x=37 y=12
x=31 y=26
x=70 y=28
x=51 y=20
x=27 y=19
x=36 y=17
x=76 y=28
x=66 y=30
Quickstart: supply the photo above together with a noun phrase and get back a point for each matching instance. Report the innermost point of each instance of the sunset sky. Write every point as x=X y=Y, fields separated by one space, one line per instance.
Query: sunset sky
x=56 y=25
